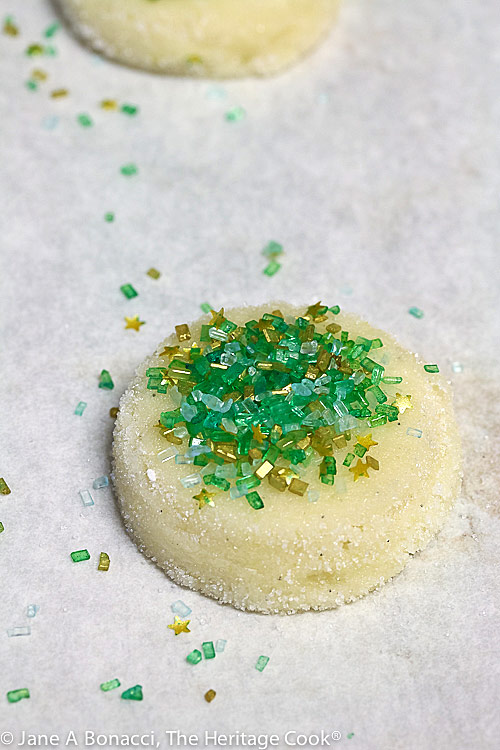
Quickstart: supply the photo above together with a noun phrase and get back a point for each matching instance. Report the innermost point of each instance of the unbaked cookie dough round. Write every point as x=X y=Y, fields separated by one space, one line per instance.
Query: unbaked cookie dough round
x=323 y=456
x=218 y=38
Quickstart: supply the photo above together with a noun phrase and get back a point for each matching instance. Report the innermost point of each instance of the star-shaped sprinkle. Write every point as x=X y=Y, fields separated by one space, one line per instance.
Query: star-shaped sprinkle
x=204 y=498
x=257 y=433
x=217 y=317
x=313 y=311
x=134 y=323
x=402 y=402
x=179 y=626
x=366 y=441
x=169 y=351
x=360 y=470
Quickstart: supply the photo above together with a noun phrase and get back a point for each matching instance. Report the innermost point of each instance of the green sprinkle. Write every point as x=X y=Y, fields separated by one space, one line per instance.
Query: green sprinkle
x=208 y=650
x=261 y=663
x=80 y=408
x=133 y=693
x=110 y=685
x=431 y=368
x=80 y=555
x=32 y=85
x=272 y=249
x=129 y=109
x=51 y=30
x=129 y=169
x=13 y=696
x=206 y=307
x=85 y=120
x=392 y=380
x=105 y=380
x=255 y=500
x=194 y=657
x=2 y=527
x=350 y=735
x=109 y=216
x=416 y=312
x=272 y=268
x=153 y=273
x=235 y=114
x=4 y=487
x=256 y=402
x=128 y=290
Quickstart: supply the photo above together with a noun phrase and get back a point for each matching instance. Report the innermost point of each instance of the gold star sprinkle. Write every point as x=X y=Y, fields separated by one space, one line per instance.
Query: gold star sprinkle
x=257 y=433
x=134 y=323
x=204 y=498
x=169 y=351
x=179 y=626
x=217 y=317
x=402 y=402
x=360 y=470
x=366 y=441
x=316 y=312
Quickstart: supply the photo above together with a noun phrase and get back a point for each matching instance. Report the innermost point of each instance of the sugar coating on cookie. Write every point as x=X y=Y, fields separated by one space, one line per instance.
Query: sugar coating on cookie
x=219 y=38
x=282 y=459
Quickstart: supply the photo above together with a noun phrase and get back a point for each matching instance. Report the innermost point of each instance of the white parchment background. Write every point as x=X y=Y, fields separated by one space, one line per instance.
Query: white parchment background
x=376 y=162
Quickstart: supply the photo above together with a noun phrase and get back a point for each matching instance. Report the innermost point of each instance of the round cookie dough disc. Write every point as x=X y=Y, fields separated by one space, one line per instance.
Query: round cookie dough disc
x=218 y=38
x=293 y=554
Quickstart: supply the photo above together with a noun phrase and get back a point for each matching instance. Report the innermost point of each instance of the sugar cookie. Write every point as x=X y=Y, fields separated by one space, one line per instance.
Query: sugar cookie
x=323 y=455
x=218 y=38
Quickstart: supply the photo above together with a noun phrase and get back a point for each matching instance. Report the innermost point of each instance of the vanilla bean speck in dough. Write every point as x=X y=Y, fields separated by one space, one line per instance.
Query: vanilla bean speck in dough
x=293 y=554
x=218 y=38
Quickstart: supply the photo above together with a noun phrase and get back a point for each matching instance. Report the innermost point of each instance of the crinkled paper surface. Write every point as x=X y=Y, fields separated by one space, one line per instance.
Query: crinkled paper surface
x=376 y=163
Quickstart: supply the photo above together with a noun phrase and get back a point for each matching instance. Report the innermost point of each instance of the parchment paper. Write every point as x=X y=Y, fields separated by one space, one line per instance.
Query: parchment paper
x=376 y=163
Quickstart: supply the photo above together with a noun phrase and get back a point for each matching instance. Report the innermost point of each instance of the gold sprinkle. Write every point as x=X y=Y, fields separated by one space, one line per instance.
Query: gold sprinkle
x=113 y=412
x=372 y=462
x=4 y=487
x=264 y=469
x=227 y=451
x=154 y=273
x=39 y=75
x=210 y=695
x=204 y=498
x=323 y=361
x=169 y=351
x=10 y=28
x=217 y=318
x=359 y=470
x=258 y=435
x=133 y=323
x=316 y=312
x=402 y=402
x=59 y=93
x=109 y=104
x=312 y=373
x=179 y=626
x=366 y=441
x=276 y=480
x=297 y=486
x=183 y=332
x=103 y=561
x=333 y=328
